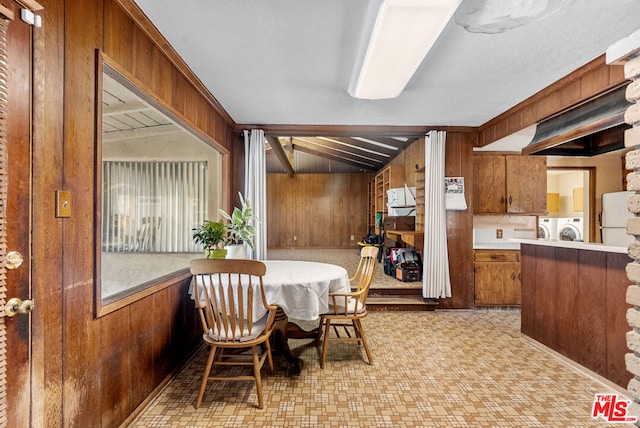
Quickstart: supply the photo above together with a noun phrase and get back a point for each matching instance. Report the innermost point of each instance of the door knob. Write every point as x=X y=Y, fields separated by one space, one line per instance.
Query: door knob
x=13 y=260
x=17 y=306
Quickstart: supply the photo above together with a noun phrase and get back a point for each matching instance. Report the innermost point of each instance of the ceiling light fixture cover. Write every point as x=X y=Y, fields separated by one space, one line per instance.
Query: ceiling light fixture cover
x=403 y=33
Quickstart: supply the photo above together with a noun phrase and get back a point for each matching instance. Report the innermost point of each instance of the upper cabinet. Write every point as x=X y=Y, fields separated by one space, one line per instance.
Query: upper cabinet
x=512 y=184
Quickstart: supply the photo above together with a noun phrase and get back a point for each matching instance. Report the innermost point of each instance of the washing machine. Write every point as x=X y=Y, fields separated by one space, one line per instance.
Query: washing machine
x=570 y=229
x=547 y=228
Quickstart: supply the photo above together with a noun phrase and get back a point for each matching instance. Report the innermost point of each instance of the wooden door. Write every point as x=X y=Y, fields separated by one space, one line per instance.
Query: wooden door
x=489 y=184
x=16 y=197
x=526 y=184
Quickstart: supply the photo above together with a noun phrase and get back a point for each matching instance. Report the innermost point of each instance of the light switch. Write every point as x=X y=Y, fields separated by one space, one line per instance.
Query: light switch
x=63 y=203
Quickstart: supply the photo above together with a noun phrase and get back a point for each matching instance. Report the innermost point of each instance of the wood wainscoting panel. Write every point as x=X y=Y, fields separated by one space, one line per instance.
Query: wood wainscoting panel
x=573 y=301
x=591 y=315
x=528 y=306
x=545 y=295
x=566 y=288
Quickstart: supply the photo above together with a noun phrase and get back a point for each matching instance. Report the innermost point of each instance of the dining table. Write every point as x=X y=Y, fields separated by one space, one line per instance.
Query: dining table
x=300 y=290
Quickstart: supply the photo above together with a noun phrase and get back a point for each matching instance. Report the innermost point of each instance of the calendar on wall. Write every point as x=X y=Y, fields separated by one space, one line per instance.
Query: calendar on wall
x=454 y=193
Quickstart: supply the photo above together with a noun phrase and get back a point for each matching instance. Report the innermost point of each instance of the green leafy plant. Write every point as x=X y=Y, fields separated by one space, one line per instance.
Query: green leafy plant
x=211 y=234
x=240 y=228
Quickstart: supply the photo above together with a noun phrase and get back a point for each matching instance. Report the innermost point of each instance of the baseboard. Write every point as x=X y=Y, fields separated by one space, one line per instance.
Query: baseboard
x=578 y=367
x=158 y=389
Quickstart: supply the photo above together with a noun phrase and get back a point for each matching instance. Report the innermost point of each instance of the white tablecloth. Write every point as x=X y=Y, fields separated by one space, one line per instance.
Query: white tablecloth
x=302 y=288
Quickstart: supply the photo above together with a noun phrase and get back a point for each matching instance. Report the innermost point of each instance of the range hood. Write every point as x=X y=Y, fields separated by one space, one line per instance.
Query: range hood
x=594 y=127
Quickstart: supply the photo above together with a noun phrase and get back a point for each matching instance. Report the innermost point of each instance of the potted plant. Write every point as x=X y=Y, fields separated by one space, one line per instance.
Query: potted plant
x=212 y=235
x=240 y=229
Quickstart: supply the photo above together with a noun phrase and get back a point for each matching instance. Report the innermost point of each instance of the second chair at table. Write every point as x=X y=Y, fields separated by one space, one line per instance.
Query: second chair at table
x=346 y=310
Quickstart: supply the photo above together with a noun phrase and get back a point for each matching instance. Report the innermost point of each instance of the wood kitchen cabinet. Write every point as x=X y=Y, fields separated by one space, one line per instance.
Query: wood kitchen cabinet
x=497 y=277
x=512 y=184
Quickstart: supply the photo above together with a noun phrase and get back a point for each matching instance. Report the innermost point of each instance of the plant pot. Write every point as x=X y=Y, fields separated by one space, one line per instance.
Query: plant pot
x=216 y=254
x=238 y=251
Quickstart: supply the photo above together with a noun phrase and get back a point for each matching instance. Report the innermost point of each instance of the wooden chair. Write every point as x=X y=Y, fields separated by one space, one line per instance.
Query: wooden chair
x=347 y=309
x=235 y=316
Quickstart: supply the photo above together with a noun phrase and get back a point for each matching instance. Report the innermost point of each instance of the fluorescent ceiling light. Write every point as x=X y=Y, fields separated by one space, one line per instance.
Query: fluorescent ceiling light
x=403 y=33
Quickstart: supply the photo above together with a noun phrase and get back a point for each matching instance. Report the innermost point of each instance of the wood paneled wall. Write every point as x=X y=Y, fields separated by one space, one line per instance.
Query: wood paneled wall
x=458 y=163
x=88 y=371
x=573 y=301
x=588 y=81
x=319 y=210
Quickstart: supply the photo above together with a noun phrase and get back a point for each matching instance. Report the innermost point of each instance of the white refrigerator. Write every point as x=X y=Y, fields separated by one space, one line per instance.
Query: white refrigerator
x=614 y=219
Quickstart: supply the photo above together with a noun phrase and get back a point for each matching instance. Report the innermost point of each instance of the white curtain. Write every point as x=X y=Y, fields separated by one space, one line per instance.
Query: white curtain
x=255 y=189
x=436 y=282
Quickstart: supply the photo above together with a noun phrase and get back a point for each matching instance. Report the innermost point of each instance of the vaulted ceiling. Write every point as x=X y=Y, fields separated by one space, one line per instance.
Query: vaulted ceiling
x=361 y=153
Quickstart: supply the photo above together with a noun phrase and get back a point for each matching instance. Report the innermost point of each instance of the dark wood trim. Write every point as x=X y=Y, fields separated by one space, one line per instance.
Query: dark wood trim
x=168 y=281
x=140 y=89
x=352 y=130
x=32 y=5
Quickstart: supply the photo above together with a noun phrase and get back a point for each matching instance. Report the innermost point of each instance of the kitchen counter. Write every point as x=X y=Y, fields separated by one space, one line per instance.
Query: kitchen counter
x=589 y=246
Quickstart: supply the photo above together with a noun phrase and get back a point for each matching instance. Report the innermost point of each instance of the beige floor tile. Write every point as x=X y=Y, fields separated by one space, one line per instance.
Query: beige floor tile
x=431 y=369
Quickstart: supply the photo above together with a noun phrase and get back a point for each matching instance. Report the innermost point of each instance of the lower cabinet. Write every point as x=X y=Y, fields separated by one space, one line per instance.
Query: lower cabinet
x=497 y=278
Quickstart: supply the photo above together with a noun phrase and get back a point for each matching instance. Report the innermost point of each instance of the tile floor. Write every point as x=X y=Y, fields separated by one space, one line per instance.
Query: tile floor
x=431 y=369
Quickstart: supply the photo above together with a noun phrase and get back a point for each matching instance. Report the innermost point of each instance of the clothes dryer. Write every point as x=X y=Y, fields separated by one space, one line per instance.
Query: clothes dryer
x=570 y=229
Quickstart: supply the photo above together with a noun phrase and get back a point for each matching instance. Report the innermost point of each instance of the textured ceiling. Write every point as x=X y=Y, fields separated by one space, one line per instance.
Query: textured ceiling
x=290 y=61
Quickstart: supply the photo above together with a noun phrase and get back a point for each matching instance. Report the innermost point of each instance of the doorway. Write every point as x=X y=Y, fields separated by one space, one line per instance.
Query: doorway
x=571 y=202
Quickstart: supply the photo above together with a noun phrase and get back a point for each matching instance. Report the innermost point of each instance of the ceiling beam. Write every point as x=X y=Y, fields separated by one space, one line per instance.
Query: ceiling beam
x=351 y=150
x=274 y=142
x=389 y=141
x=334 y=155
x=365 y=146
x=332 y=158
